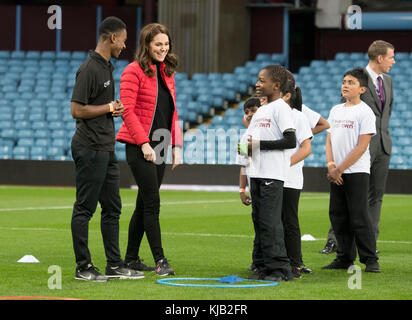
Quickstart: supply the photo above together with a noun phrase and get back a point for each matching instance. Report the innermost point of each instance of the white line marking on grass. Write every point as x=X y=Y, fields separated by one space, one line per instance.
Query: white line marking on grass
x=197 y=202
x=303 y=197
x=187 y=234
x=191 y=234
x=124 y=205
x=35 y=208
x=30 y=229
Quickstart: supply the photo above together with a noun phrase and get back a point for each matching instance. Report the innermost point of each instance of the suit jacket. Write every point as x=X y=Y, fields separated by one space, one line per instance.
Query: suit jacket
x=371 y=98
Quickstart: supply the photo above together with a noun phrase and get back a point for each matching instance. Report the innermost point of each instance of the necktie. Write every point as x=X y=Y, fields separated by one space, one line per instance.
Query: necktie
x=381 y=92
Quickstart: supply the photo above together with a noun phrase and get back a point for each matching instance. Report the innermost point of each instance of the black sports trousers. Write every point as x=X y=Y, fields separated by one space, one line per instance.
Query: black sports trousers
x=348 y=212
x=270 y=252
x=145 y=219
x=291 y=227
x=97 y=180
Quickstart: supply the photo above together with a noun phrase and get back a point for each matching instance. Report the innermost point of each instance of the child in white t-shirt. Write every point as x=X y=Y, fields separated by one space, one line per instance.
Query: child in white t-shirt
x=318 y=124
x=348 y=161
x=250 y=107
x=270 y=132
x=294 y=179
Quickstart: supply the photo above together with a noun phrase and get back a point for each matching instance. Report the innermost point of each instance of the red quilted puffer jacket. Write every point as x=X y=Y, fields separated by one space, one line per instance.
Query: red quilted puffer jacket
x=138 y=93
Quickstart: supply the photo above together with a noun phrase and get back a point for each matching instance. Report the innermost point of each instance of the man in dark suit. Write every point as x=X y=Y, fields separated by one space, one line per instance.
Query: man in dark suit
x=379 y=97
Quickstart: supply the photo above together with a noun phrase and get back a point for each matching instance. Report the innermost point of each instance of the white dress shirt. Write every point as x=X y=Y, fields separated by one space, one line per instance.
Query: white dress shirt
x=374 y=77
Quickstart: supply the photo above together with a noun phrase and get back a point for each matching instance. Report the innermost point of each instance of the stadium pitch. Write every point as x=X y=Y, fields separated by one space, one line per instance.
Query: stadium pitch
x=205 y=235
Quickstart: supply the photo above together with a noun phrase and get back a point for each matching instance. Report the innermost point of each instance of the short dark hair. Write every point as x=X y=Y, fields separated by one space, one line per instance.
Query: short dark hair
x=277 y=74
x=251 y=102
x=110 y=25
x=359 y=74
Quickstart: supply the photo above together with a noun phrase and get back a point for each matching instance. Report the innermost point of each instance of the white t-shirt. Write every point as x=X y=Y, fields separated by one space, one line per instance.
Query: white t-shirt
x=243 y=160
x=268 y=123
x=294 y=178
x=346 y=125
x=312 y=116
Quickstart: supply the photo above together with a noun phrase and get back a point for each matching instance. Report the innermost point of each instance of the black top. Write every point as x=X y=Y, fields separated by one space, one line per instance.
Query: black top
x=95 y=86
x=164 y=111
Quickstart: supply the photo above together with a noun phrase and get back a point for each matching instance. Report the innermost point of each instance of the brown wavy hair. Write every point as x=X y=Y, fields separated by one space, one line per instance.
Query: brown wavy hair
x=142 y=56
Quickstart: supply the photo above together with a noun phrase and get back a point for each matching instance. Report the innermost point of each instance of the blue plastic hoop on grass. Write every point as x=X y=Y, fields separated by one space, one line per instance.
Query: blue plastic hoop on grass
x=171 y=282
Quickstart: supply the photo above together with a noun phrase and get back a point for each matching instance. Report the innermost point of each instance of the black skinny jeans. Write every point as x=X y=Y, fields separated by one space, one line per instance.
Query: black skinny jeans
x=145 y=219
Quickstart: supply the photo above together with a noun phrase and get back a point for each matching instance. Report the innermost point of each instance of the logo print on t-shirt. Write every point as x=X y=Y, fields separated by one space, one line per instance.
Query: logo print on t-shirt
x=263 y=123
x=107 y=83
x=348 y=124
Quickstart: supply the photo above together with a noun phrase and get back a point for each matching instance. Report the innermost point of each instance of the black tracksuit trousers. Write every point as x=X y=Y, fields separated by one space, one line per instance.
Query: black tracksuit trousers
x=97 y=181
x=270 y=253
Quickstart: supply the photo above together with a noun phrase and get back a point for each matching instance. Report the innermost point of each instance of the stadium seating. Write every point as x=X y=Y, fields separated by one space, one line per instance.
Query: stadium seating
x=35 y=90
x=320 y=95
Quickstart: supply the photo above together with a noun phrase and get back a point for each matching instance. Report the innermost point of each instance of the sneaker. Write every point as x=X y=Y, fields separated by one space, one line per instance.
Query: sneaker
x=121 y=272
x=275 y=276
x=279 y=276
x=139 y=266
x=305 y=270
x=90 y=273
x=372 y=266
x=338 y=264
x=163 y=268
x=257 y=274
x=252 y=267
x=330 y=247
x=296 y=271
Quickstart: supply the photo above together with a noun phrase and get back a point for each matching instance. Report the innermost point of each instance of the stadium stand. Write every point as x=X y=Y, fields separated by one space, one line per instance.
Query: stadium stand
x=35 y=90
x=320 y=84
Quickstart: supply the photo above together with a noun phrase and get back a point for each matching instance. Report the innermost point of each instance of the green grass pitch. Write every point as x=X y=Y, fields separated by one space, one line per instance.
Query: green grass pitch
x=205 y=235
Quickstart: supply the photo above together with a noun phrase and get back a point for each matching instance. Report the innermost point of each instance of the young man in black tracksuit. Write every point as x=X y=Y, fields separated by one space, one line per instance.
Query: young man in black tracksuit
x=97 y=168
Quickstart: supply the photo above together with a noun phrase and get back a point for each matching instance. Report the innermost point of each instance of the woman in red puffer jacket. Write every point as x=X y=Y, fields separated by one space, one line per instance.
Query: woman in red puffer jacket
x=150 y=125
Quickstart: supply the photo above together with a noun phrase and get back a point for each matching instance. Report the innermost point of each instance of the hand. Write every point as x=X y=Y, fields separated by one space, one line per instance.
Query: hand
x=118 y=108
x=252 y=145
x=148 y=152
x=334 y=175
x=176 y=157
x=245 y=199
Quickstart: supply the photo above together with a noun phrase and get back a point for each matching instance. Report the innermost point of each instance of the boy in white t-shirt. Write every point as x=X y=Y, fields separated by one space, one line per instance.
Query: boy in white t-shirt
x=348 y=161
x=270 y=132
x=250 y=107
